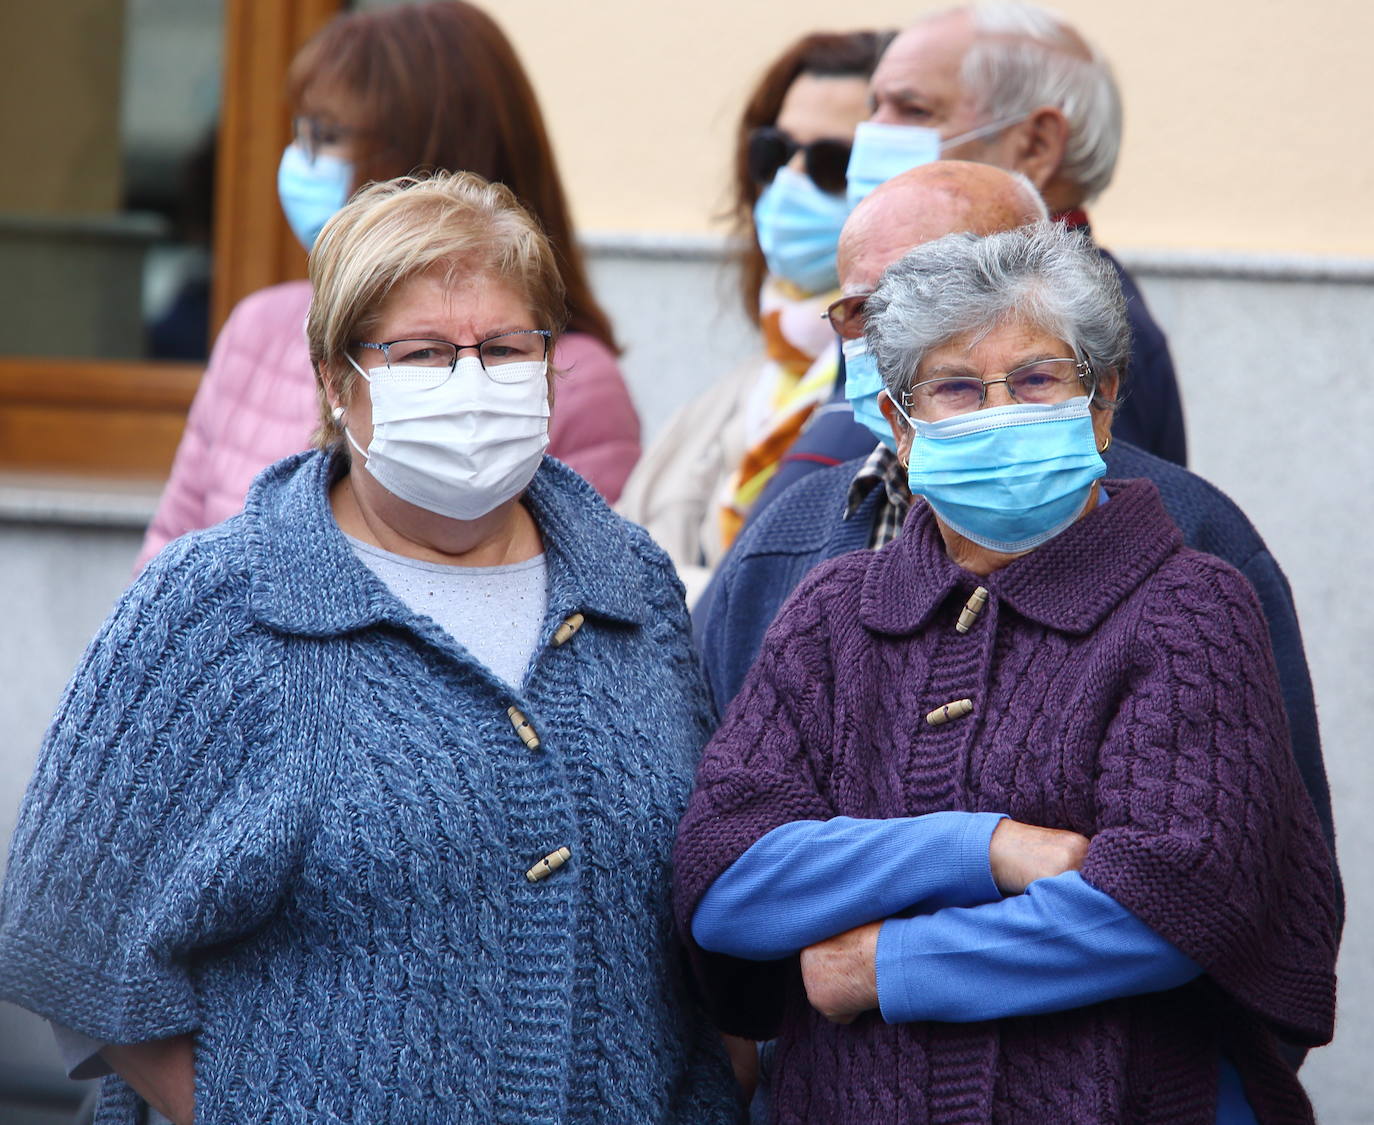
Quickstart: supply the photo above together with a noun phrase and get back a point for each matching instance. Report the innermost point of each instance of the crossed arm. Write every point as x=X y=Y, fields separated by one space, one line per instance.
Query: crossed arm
x=916 y=904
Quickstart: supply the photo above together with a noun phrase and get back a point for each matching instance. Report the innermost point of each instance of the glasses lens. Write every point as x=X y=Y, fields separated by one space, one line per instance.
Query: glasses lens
x=1050 y=380
x=846 y=316
x=321 y=136
x=514 y=347
x=769 y=149
x=421 y=353
x=826 y=162
x=939 y=398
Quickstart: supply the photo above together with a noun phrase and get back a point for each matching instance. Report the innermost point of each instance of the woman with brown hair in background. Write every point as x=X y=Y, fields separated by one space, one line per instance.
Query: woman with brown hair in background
x=694 y=488
x=377 y=94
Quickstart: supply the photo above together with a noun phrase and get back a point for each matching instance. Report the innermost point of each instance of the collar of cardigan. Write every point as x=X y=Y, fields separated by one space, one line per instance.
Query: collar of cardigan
x=1069 y=584
x=306 y=580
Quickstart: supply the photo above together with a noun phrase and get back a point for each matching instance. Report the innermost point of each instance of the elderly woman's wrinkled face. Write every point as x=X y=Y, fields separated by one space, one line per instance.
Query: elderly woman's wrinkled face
x=453 y=392
x=427 y=307
x=1013 y=362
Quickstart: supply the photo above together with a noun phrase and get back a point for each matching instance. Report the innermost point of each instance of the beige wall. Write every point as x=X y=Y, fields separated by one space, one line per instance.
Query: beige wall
x=1247 y=121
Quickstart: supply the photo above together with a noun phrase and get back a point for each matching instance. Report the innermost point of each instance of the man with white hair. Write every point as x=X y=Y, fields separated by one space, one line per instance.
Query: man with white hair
x=1014 y=86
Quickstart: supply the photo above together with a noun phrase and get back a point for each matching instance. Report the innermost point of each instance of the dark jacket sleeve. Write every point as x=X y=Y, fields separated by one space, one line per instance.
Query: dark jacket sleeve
x=1151 y=413
x=1295 y=682
x=763 y=566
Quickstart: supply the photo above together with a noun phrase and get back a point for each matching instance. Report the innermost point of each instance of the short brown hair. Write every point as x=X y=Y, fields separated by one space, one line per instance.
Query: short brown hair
x=391 y=232
x=825 y=54
x=440 y=88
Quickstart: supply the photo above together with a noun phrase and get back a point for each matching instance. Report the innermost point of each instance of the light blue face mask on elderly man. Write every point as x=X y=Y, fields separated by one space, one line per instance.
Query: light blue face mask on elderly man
x=883 y=151
x=1008 y=478
x=862 y=385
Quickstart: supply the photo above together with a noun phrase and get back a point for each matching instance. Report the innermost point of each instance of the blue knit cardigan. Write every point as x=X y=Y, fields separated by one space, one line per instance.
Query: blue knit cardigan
x=279 y=810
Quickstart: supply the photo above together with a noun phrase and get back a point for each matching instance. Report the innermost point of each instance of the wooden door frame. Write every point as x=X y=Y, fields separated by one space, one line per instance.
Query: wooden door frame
x=254 y=246
x=121 y=417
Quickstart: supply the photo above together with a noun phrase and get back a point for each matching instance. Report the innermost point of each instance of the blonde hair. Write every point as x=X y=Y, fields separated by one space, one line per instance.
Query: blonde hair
x=453 y=222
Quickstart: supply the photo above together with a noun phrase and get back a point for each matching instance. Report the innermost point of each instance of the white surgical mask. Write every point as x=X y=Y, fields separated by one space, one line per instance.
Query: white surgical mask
x=463 y=448
x=883 y=151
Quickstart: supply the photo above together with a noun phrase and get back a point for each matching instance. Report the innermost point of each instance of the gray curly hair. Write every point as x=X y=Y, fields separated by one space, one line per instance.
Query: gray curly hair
x=1044 y=274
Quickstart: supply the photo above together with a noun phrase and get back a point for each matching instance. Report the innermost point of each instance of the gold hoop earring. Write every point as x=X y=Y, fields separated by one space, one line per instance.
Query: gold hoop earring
x=1106 y=445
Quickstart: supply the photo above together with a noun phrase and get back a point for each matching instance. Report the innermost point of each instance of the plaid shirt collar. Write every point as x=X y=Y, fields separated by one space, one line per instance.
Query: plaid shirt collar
x=882 y=467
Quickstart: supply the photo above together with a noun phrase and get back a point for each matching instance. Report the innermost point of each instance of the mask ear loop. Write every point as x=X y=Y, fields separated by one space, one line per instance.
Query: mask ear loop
x=338 y=411
x=337 y=415
x=905 y=462
x=1090 y=377
x=992 y=128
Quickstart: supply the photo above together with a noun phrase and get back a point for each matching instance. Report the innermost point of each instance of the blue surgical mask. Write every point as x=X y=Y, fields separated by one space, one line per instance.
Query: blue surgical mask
x=883 y=151
x=798 y=229
x=862 y=385
x=311 y=191
x=1011 y=477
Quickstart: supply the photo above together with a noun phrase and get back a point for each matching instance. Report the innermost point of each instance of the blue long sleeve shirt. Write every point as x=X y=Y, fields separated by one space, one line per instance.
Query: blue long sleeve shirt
x=950 y=947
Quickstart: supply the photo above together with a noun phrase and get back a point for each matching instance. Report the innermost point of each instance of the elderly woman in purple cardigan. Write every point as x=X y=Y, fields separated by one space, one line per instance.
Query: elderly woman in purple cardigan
x=1004 y=825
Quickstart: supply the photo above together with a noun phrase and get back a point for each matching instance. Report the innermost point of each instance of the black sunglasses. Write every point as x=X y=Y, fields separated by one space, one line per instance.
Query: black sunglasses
x=826 y=159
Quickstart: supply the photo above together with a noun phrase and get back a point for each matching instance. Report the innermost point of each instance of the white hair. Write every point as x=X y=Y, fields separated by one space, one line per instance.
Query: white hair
x=1030 y=195
x=1025 y=56
x=1042 y=273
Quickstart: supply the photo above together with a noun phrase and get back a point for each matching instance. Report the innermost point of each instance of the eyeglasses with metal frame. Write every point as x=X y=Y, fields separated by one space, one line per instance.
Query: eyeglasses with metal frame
x=846 y=315
x=1043 y=381
x=494 y=353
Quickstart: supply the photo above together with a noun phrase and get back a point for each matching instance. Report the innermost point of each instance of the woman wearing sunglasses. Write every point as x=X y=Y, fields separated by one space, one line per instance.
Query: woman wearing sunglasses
x=360 y=807
x=378 y=94
x=1036 y=656
x=694 y=487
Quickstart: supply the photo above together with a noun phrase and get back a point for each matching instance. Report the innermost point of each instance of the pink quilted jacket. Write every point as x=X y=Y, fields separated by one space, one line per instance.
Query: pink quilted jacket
x=257 y=404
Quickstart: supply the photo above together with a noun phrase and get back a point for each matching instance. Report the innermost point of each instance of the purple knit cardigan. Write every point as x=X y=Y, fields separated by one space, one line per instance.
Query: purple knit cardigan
x=1122 y=687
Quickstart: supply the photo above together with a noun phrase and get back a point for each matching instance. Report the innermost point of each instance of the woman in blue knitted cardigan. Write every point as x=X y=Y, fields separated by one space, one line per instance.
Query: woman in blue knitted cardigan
x=360 y=806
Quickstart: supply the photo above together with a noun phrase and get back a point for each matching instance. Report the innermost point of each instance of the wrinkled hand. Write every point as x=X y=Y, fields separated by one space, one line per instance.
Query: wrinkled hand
x=841 y=974
x=1021 y=853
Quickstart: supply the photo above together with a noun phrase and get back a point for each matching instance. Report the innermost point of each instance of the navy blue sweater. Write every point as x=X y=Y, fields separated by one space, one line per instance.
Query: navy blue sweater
x=806 y=526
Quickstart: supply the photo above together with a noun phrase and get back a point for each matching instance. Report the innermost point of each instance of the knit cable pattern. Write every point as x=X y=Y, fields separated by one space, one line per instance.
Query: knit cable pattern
x=279 y=810
x=1122 y=688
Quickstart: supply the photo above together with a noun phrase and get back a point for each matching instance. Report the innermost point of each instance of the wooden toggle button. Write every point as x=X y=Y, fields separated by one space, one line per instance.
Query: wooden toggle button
x=956 y=710
x=523 y=728
x=564 y=633
x=549 y=864
x=972 y=608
